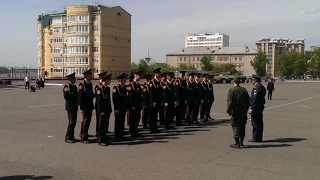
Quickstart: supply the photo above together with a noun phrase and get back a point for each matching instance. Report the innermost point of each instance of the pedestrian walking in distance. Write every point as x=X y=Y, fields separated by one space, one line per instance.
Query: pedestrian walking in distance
x=270 y=88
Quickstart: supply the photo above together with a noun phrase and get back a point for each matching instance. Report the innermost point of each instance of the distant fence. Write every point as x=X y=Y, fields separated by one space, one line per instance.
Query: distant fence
x=15 y=73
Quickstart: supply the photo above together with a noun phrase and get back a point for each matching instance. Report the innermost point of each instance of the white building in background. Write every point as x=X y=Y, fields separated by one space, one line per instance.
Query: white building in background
x=206 y=40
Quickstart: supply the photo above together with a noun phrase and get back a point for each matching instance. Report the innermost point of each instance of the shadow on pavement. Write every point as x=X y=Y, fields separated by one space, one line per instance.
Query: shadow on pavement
x=286 y=140
x=25 y=177
x=267 y=146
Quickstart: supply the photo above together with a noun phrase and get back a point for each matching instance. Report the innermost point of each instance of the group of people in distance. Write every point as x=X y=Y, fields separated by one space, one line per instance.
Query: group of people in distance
x=162 y=97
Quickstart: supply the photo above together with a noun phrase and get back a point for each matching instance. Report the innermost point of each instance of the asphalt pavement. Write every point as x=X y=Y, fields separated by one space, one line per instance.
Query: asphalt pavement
x=33 y=126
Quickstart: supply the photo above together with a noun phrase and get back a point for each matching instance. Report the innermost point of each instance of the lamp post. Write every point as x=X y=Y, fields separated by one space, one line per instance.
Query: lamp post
x=62 y=66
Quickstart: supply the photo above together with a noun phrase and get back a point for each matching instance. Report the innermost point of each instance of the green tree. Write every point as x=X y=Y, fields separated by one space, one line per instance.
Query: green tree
x=143 y=66
x=134 y=67
x=313 y=68
x=206 y=63
x=259 y=63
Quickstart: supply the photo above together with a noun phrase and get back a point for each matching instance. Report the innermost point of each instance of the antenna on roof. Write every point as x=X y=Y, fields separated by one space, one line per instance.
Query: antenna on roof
x=96 y=3
x=82 y=2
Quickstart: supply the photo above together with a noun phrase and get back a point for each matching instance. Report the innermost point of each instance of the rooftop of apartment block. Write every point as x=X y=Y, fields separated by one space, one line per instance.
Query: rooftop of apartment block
x=205 y=34
x=281 y=40
x=215 y=51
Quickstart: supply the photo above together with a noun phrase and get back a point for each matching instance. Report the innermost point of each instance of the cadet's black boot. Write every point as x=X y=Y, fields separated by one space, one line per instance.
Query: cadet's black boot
x=237 y=144
x=241 y=142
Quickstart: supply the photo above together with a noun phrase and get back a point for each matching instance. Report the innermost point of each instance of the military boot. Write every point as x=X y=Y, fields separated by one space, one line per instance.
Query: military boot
x=241 y=142
x=237 y=144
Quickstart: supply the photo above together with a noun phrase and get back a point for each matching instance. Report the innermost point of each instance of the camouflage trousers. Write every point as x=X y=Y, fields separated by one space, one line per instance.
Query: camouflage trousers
x=239 y=126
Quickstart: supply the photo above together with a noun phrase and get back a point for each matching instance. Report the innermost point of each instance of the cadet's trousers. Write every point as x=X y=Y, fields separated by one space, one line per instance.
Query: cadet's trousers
x=134 y=119
x=153 y=117
x=145 y=114
x=168 y=113
x=257 y=125
x=103 y=126
x=72 y=118
x=196 y=111
x=85 y=124
x=180 y=112
x=119 y=121
x=190 y=110
x=270 y=95
x=203 y=109
x=161 y=114
x=208 y=109
x=238 y=126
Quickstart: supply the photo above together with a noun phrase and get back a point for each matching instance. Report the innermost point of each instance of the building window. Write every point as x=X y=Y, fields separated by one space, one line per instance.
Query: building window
x=198 y=58
x=95 y=38
x=65 y=30
x=57 y=40
x=193 y=58
x=39 y=60
x=180 y=58
x=82 y=18
x=82 y=60
x=56 y=50
x=95 y=28
x=184 y=59
x=57 y=30
x=71 y=60
x=95 y=17
x=95 y=70
x=57 y=69
x=78 y=40
x=77 y=50
x=56 y=60
x=95 y=60
x=56 y=20
x=95 y=49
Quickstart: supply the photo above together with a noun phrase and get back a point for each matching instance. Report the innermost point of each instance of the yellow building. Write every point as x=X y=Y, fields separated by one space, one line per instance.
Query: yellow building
x=83 y=37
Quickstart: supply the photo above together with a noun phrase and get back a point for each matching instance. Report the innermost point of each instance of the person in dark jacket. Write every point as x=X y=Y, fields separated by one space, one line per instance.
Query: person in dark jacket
x=181 y=98
x=103 y=109
x=99 y=84
x=168 y=100
x=204 y=98
x=155 y=91
x=270 y=88
x=190 y=91
x=210 y=96
x=70 y=94
x=146 y=106
x=86 y=96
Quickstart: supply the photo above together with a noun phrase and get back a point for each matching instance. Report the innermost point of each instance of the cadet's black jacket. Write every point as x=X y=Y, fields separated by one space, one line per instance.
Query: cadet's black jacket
x=103 y=99
x=204 y=91
x=181 y=90
x=168 y=94
x=190 y=92
x=134 y=95
x=210 y=92
x=197 y=92
x=86 y=96
x=145 y=94
x=257 y=99
x=70 y=94
x=155 y=92
x=119 y=98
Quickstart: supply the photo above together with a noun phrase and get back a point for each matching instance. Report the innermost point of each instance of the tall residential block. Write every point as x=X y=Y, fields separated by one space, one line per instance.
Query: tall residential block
x=206 y=40
x=275 y=47
x=83 y=37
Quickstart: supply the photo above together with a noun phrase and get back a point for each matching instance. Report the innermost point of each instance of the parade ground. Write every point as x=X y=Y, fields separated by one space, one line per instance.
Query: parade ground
x=33 y=126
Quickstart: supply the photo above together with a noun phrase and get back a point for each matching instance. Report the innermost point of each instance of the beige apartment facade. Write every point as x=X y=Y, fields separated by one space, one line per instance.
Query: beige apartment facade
x=83 y=37
x=274 y=48
x=240 y=57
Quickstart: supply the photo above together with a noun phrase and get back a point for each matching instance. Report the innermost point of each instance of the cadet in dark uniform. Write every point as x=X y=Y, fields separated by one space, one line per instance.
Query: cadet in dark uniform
x=119 y=99
x=155 y=91
x=99 y=84
x=70 y=94
x=197 y=95
x=129 y=87
x=204 y=98
x=168 y=100
x=237 y=108
x=190 y=90
x=210 y=96
x=146 y=106
x=103 y=109
x=161 y=111
x=257 y=101
x=270 y=89
x=181 y=98
x=85 y=99
x=135 y=103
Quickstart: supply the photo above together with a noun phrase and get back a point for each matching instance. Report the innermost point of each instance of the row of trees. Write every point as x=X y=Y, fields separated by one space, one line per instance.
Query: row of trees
x=206 y=65
x=291 y=64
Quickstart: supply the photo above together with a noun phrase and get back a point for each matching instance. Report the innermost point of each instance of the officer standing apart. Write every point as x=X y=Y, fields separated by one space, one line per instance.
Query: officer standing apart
x=270 y=88
x=210 y=96
x=168 y=100
x=85 y=99
x=70 y=94
x=257 y=101
x=119 y=99
x=146 y=106
x=155 y=91
x=237 y=108
x=135 y=103
x=181 y=98
x=99 y=84
x=103 y=109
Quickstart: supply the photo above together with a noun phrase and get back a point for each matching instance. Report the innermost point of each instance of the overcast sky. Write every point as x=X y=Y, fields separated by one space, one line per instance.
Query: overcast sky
x=161 y=26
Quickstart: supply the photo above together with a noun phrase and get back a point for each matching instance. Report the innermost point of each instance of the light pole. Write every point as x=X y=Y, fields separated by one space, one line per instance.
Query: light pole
x=62 y=65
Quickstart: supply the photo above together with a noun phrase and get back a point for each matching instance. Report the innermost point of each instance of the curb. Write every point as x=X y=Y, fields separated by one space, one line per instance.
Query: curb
x=53 y=84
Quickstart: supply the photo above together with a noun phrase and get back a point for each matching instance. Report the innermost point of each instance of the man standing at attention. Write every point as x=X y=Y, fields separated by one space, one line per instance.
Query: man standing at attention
x=86 y=96
x=70 y=94
x=257 y=101
x=237 y=108
x=270 y=89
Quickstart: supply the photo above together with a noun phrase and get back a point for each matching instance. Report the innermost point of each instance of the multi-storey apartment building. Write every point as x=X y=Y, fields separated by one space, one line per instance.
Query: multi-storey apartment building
x=240 y=57
x=275 y=47
x=83 y=37
x=206 y=40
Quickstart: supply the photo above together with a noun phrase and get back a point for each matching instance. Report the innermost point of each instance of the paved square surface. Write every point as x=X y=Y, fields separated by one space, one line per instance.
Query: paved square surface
x=33 y=126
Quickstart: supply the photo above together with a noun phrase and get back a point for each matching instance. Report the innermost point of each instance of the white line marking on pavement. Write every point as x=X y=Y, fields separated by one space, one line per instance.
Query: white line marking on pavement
x=50 y=136
x=291 y=102
x=50 y=105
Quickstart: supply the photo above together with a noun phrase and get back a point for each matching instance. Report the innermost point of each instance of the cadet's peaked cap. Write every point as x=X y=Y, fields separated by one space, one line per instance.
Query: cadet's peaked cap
x=191 y=74
x=107 y=77
x=148 y=76
x=205 y=75
x=88 y=72
x=254 y=76
x=211 y=76
x=138 y=73
x=198 y=74
x=183 y=72
x=122 y=76
x=236 y=79
x=171 y=74
x=71 y=76
x=157 y=71
x=102 y=74
x=164 y=74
